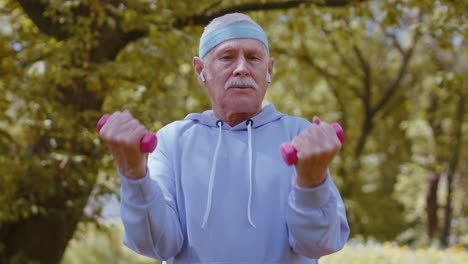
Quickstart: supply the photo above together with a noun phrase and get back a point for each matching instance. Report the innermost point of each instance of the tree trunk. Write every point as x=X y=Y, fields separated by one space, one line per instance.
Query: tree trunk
x=457 y=142
x=431 y=204
x=42 y=238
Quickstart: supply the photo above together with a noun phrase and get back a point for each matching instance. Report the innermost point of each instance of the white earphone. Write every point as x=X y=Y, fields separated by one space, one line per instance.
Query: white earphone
x=202 y=77
x=268 y=78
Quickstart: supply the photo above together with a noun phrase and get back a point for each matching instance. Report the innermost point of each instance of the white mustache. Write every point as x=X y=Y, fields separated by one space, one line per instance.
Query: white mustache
x=240 y=82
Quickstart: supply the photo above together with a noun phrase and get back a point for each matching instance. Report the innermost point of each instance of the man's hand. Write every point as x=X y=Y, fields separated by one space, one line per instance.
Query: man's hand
x=316 y=147
x=122 y=134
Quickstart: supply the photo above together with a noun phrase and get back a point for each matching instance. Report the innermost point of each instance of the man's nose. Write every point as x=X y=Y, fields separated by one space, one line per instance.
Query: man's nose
x=241 y=69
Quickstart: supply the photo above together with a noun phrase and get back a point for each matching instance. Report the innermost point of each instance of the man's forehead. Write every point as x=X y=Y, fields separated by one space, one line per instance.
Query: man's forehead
x=245 y=44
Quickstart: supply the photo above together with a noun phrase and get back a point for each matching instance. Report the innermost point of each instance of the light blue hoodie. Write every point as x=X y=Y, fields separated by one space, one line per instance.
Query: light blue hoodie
x=224 y=195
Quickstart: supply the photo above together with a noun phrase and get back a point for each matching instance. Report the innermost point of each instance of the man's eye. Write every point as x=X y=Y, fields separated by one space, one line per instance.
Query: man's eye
x=227 y=57
x=253 y=58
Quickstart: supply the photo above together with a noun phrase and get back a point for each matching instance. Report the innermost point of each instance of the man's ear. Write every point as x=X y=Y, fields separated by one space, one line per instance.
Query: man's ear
x=198 y=66
x=271 y=63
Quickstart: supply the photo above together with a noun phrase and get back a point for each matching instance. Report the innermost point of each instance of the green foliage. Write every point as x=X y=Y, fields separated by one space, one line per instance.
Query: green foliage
x=374 y=67
x=393 y=73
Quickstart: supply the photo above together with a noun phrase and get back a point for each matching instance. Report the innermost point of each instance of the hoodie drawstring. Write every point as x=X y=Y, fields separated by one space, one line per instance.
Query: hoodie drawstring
x=249 y=205
x=219 y=124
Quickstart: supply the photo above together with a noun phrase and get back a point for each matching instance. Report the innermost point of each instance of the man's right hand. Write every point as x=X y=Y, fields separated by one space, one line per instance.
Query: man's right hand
x=122 y=134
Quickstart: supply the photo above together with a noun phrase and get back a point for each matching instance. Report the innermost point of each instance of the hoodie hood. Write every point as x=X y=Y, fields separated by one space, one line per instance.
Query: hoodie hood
x=267 y=115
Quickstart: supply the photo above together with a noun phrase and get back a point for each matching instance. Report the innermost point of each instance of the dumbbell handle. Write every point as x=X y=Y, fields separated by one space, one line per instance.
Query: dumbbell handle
x=147 y=143
x=289 y=152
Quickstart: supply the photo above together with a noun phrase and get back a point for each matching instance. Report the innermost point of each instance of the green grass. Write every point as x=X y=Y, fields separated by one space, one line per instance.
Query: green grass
x=101 y=246
x=387 y=253
x=94 y=245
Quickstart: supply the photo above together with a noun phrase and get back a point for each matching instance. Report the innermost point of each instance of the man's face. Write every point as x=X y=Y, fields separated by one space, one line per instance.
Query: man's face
x=235 y=73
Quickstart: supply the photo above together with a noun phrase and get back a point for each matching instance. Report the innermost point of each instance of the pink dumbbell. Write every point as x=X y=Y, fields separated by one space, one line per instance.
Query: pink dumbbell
x=289 y=153
x=147 y=143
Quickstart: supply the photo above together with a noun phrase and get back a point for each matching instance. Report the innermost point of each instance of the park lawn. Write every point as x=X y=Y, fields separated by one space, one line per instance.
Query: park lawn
x=388 y=253
x=93 y=245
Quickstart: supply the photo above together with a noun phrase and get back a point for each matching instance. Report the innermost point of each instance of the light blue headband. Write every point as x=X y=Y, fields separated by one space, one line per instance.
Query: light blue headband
x=232 y=31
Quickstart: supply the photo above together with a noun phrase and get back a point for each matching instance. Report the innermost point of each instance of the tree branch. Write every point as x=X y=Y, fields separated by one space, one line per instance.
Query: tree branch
x=35 y=9
x=341 y=104
x=393 y=87
x=343 y=58
x=119 y=39
x=330 y=76
x=384 y=32
x=205 y=17
x=366 y=78
x=453 y=163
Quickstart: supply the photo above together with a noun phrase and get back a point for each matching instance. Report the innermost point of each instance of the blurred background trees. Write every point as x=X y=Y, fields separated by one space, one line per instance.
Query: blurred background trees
x=393 y=73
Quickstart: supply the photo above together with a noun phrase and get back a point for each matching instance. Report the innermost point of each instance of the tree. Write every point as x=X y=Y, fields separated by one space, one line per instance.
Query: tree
x=67 y=62
x=357 y=53
x=438 y=121
x=371 y=66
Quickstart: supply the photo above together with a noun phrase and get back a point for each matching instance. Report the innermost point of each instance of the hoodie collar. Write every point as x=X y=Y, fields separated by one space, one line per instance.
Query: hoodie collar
x=267 y=115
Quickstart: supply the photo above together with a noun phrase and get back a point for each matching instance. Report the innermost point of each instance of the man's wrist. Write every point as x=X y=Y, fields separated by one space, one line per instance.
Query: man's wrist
x=135 y=174
x=310 y=182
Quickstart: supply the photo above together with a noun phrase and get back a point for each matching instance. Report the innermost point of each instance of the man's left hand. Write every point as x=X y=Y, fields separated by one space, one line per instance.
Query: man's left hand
x=316 y=147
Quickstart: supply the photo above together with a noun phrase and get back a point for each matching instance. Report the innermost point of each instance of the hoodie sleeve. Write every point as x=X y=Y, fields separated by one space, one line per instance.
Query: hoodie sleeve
x=148 y=209
x=316 y=220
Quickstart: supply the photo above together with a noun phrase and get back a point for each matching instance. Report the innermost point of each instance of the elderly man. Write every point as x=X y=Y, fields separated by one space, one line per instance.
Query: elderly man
x=215 y=190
